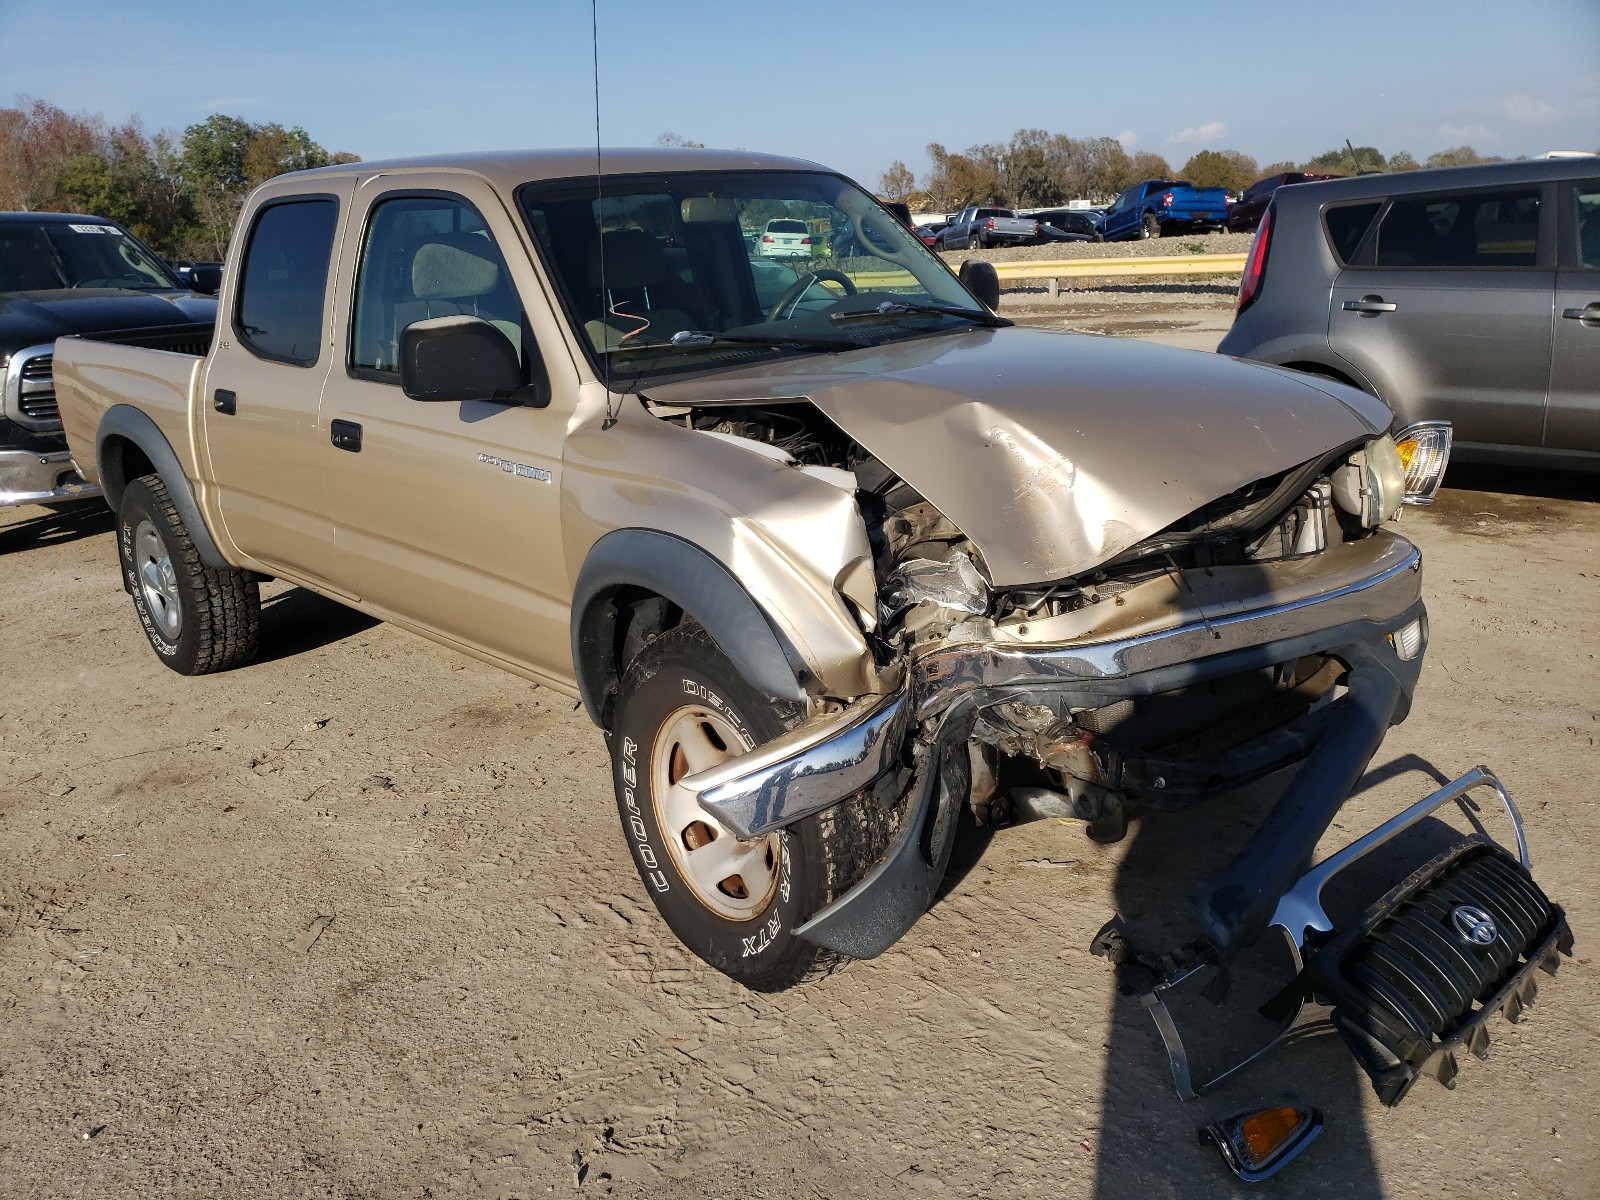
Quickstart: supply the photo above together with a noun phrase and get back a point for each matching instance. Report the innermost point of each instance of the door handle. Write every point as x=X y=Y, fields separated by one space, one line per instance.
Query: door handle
x=225 y=401
x=1369 y=306
x=346 y=435
x=1586 y=315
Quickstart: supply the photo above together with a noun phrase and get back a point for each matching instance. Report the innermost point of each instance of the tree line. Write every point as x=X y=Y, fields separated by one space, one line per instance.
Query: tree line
x=178 y=192
x=1037 y=169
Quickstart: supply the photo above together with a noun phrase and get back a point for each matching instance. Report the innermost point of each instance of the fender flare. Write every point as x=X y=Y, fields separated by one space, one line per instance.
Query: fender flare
x=125 y=422
x=688 y=577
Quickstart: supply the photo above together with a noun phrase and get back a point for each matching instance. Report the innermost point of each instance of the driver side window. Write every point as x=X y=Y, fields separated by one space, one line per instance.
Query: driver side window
x=424 y=257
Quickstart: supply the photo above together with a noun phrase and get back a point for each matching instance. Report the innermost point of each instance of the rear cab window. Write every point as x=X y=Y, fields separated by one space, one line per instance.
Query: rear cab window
x=1347 y=227
x=283 y=278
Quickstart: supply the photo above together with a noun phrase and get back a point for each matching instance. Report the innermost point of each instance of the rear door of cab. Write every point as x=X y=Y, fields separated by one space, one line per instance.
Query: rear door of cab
x=1574 y=416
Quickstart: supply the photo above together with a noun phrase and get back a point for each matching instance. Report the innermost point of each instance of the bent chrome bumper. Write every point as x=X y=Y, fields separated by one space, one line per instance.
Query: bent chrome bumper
x=41 y=477
x=1370 y=590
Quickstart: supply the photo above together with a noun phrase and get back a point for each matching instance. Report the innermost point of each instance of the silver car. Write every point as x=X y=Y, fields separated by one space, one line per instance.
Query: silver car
x=1467 y=294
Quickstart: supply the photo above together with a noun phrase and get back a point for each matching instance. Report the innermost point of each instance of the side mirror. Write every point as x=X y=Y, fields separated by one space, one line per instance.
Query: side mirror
x=981 y=279
x=205 y=278
x=457 y=358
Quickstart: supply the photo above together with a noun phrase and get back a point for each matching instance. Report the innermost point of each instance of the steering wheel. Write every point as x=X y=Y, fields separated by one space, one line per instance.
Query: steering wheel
x=796 y=290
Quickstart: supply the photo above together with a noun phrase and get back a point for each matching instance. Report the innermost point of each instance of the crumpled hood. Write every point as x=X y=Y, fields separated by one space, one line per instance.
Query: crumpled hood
x=33 y=318
x=1054 y=452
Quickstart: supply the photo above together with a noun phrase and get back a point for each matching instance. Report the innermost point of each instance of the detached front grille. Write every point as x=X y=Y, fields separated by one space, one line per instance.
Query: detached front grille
x=36 y=397
x=1420 y=976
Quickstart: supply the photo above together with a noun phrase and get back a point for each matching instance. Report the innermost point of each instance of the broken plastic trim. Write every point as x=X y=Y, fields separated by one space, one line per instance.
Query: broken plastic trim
x=1299 y=916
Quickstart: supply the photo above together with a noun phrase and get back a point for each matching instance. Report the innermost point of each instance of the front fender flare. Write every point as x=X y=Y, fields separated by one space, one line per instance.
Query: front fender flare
x=688 y=577
x=124 y=422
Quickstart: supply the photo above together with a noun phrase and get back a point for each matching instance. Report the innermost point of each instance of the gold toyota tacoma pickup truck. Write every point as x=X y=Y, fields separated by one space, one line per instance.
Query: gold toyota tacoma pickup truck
x=828 y=549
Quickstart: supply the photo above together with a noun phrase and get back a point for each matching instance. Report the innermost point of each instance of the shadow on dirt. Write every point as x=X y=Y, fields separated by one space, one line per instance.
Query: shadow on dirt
x=296 y=620
x=58 y=526
x=1517 y=482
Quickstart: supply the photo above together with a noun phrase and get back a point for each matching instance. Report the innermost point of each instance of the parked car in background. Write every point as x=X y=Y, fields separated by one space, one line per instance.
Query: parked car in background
x=928 y=235
x=1158 y=207
x=978 y=227
x=1066 y=225
x=785 y=237
x=1245 y=214
x=60 y=274
x=1467 y=294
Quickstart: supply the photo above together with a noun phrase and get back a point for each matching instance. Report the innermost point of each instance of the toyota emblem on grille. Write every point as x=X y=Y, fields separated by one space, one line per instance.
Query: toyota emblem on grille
x=1475 y=927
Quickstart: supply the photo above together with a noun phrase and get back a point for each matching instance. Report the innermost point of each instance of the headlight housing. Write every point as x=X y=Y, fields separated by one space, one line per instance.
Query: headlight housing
x=1370 y=485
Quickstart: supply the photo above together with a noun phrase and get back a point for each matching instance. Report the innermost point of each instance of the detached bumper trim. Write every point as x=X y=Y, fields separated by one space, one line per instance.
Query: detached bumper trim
x=29 y=477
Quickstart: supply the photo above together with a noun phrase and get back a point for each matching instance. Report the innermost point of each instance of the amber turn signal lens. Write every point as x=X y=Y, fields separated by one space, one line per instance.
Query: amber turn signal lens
x=1266 y=1131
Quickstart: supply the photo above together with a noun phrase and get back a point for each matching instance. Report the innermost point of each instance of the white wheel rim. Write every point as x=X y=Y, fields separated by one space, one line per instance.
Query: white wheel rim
x=733 y=879
x=158 y=582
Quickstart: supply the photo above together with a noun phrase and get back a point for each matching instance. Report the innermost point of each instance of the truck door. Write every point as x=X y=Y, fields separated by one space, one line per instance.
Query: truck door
x=1455 y=311
x=264 y=381
x=1574 y=416
x=447 y=512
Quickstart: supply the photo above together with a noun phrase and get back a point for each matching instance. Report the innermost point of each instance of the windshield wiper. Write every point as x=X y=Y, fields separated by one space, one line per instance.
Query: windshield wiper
x=699 y=339
x=899 y=308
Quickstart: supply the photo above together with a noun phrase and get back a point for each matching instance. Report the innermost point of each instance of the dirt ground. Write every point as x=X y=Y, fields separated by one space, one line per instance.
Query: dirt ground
x=357 y=921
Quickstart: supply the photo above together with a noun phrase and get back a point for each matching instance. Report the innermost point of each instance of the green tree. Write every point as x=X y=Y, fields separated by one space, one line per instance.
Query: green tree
x=1342 y=161
x=677 y=139
x=1459 y=156
x=1401 y=160
x=1220 y=168
x=1277 y=168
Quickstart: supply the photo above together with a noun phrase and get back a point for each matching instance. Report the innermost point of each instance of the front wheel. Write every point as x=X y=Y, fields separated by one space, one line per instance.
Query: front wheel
x=683 y=708
x=199 y=619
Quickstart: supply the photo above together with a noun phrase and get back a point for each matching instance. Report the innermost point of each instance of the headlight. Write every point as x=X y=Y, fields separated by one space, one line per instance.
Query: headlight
x=1424 y=453
x=1371 y=483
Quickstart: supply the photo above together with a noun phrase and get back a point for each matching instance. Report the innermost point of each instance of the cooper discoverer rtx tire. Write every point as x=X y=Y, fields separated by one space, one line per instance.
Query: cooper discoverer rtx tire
x=198 y=619
x=682 y=708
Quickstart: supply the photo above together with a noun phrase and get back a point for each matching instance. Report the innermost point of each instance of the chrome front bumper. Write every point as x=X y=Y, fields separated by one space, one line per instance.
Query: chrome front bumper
x=31 y=477
x=1370 y=589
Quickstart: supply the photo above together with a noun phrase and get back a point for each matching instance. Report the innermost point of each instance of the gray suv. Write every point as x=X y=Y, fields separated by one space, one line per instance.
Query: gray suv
x=1467 y=294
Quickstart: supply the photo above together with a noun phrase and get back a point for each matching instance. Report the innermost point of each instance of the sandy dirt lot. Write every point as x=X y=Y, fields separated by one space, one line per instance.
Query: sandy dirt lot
x=357 y=921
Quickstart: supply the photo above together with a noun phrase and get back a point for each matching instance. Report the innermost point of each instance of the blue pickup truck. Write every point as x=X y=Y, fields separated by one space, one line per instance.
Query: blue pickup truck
x=1158 y=207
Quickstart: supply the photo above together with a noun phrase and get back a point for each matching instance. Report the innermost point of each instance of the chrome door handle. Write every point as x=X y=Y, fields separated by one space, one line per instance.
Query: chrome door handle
x=1369 y=305
x=1586 y=315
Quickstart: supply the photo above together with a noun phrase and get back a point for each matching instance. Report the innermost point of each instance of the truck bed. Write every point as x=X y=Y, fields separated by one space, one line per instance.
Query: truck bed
x=158 y=370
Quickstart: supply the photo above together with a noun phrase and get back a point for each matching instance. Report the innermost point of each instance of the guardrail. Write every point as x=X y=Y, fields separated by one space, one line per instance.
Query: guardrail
x=1092 y=268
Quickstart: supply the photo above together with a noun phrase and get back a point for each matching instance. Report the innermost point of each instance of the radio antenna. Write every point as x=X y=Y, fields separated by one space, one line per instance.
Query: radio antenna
x=599 y=219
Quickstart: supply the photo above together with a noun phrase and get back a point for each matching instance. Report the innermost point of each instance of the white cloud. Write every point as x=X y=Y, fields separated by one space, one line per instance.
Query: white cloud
x=1528 y=110
x=1127 y=137
x=1471 y=135
x=1202 y=133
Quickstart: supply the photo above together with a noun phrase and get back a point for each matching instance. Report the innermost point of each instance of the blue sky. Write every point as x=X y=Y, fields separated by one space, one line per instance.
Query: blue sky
x=854 y=84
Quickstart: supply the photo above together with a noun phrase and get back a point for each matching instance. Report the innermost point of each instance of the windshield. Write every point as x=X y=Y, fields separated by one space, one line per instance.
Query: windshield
x=88 y=254
x=753 y=264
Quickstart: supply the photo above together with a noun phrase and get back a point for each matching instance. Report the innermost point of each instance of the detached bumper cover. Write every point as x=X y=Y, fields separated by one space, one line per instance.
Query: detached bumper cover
x=41 y=477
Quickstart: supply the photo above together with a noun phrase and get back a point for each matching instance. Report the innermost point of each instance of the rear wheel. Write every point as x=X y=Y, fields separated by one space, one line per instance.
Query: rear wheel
x=683 y=708
x=1149 y=227
x=199 y=619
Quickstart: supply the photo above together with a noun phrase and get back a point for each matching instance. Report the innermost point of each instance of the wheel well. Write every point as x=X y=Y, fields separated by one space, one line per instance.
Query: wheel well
x=626 y=620
x=121 y=462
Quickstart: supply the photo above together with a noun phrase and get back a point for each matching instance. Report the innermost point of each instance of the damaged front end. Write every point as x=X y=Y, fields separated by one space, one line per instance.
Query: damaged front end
x=1279 y=624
